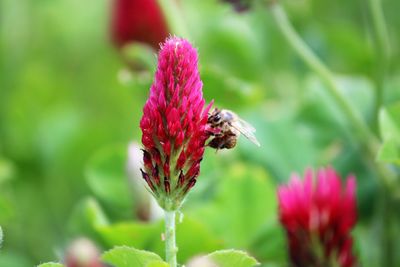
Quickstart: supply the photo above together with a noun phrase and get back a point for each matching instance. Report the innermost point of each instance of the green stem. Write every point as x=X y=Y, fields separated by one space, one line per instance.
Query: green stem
x=170 y=239
x=381 y=32
x=382 y=48
x=302 y=49
x=382 y=55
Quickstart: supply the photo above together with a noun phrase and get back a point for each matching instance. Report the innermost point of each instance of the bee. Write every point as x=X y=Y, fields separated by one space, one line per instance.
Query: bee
x=226 y=127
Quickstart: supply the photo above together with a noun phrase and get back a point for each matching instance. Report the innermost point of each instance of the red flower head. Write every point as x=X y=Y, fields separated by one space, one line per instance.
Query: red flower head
x=318 y=215
x=174 y=124
x=138 y=20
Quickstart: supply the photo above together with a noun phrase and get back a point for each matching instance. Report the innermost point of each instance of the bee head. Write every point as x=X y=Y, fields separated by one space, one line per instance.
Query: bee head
x=215 y=117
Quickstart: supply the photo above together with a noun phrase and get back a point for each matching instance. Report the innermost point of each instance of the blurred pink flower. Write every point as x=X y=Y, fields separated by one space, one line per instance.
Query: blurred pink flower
x=174 y=124
x=83 y=253
x=137 y=21
x=318 y=214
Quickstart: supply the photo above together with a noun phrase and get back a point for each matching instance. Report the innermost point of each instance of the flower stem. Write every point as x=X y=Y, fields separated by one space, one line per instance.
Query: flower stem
x=382 y=52
x=369 y=141
x=382 y=55
x=302 y=49
x=170 y=240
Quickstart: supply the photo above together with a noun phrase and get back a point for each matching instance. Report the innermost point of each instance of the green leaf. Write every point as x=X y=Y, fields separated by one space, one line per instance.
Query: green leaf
x=229 y=258
x=105 y=174
x=390 y=152
x=10 y=258
x=51 y=264
x=389 y=121
x=247 y=197
x=134 y=234
x=279 y=151
x=157 y=264
x=130 y=257
x=7 y=170
x=86 y=218
x=148 y=236
x=265 y=250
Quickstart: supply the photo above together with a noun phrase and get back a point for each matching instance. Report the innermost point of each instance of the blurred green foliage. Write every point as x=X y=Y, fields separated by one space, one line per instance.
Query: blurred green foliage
x=69 y=108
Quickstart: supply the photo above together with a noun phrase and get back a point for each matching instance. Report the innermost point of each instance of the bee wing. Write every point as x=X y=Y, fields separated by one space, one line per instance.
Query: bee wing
x=246 y=129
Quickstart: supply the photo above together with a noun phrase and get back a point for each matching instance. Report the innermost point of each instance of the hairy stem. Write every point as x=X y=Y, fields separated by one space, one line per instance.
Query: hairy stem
x=170 y=239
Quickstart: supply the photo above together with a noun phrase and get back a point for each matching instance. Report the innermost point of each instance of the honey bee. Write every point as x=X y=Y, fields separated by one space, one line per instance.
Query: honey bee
x=226 y=128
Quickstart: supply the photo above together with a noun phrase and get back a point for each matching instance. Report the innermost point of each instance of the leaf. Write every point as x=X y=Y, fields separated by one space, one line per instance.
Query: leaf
x=245 y=198
x=229 y=258
x=265 y=250
x=50 y=264
x=157 y=264
x=193 y=237
x=86 y=218
x=390 y=152
x=241 y=92
x=105 y=174
x=280 y=148
x=9 y=258
x=7 y=170
x=130 y=257
x=134 y=234
x=389 y=121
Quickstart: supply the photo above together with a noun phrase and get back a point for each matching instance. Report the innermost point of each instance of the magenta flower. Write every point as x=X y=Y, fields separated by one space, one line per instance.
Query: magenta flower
x=174 y=124
x=318 y=215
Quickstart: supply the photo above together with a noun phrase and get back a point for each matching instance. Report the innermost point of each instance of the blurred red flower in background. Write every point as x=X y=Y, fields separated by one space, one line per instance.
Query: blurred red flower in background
x=318 y=214
x=138 y=21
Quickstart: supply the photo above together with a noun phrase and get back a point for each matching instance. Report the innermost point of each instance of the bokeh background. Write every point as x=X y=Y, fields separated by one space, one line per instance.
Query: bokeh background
x=71 y=101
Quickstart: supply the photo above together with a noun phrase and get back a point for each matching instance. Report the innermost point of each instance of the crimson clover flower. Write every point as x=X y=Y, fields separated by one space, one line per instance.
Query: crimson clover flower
x=318 y=215
x=137 y=20
x=174 y=124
